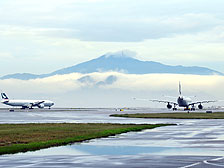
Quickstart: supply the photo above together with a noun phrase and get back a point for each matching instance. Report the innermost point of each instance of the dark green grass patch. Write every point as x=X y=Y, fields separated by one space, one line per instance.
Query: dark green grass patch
x=16 y=138
x=192 y=115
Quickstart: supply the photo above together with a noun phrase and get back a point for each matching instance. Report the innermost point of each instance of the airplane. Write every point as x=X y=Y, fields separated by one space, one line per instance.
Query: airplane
x=182 y=101
x=26 y=103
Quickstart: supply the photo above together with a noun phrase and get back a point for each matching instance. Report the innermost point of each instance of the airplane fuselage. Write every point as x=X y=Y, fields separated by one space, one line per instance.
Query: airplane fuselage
x=27 y=103
x=183 y=102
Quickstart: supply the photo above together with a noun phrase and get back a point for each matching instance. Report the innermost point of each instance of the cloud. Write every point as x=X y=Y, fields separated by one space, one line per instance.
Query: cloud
x=46 y=35
x=146 y=27
x=111 y=21
x=30 y=49
x=108 y=81
x=9 y=30
x=5 y=55
x=123 y=53
x=113 y=89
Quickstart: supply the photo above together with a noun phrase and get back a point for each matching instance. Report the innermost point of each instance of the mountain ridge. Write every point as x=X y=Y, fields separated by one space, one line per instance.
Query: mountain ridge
x=119 y=62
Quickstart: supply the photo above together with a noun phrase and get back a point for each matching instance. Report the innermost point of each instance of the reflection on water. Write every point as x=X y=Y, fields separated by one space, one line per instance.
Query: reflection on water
x=116 y=150
x=85 y=149
x=136 y=150
x=189 y=137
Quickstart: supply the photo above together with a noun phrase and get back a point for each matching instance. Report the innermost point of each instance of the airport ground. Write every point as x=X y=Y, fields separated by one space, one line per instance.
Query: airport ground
x=176 y=115
x=191 y=143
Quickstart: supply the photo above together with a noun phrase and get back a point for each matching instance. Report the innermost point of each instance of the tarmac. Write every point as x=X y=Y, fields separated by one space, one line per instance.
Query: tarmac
x=191 y=143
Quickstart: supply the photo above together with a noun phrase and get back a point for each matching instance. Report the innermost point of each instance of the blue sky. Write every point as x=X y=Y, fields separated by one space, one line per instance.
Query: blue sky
x=45 y=35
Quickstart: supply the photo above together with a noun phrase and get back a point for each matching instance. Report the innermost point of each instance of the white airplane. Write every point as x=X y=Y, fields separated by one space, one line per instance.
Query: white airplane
x=26 y=103
x=182 y=101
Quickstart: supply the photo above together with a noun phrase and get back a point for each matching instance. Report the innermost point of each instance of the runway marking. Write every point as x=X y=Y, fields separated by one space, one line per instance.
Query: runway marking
x=194 y=164
x=27 y=165
x=217 y=159
x=206 y=162
x=213 y=164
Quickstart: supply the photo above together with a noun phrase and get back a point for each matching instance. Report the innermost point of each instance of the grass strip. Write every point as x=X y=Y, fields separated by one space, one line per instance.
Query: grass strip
x=16 y=138
x=192 y=115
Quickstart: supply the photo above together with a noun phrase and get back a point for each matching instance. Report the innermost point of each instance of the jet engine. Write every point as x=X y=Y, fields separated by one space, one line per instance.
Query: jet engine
x=169 y=106
x=41 y=105
x=200 y=106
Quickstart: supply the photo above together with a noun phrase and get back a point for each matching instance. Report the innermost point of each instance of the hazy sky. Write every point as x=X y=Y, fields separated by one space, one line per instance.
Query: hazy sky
x=40 y=36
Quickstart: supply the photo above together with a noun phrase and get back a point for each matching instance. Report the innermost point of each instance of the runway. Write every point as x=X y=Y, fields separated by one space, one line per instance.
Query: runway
x=191 y=143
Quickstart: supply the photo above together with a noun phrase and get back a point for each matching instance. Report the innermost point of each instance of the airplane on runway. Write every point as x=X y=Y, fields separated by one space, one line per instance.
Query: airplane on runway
x=182 y=101
x=26 y=103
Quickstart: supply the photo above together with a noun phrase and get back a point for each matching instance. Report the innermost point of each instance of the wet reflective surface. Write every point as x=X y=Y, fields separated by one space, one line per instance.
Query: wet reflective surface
x=72 y=116
x=192 y=143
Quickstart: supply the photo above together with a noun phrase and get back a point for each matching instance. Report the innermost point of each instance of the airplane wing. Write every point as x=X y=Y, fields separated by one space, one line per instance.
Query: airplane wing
x=37 y=103
x=164 y=101
x=158 y=101
x=205 y=101
x=31 y=105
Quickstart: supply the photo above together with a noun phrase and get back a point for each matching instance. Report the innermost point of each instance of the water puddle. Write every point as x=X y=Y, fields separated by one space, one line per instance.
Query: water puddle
x=84 y=149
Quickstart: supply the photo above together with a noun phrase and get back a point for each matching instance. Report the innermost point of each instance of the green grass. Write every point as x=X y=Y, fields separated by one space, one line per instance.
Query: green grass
x=192 y=115
x=16 y=138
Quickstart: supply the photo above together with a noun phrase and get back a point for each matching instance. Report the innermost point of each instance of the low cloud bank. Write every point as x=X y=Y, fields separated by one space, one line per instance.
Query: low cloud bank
x=113 y=89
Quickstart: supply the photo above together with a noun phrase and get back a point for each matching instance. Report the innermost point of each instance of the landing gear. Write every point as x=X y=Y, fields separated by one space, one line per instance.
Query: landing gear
x=174 y=108
x=192 y=108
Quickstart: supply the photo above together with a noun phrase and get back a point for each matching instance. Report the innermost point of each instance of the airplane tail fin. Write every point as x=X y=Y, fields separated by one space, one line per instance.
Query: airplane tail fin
x=4 y=96
x=180 y=92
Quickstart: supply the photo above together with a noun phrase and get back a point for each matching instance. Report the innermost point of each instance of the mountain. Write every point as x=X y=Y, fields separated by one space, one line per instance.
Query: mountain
x=120 y=62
